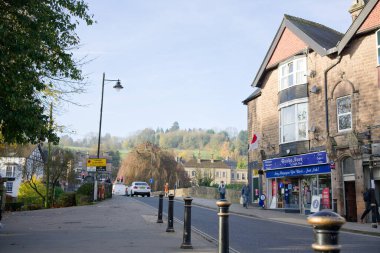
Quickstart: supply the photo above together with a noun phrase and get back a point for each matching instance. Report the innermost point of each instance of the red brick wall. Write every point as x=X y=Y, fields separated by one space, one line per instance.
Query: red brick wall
x=373 y=19
x=288 y=45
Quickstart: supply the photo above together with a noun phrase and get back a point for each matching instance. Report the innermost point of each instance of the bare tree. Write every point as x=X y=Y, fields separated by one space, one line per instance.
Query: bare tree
x=149 y=161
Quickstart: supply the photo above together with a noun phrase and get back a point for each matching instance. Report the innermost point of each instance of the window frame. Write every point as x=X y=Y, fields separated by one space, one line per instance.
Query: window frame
x=338 y=115
x=296 y=103
x=9 y=186
x=294 y=61
x=12 y=167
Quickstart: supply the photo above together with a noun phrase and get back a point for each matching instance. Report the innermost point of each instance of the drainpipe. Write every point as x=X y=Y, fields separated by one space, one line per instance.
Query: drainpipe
x=326 y=99
x=327 y=114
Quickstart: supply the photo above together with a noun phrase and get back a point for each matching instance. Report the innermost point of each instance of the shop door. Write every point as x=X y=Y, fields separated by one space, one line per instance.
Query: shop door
x=255 y=188
x=350 y=201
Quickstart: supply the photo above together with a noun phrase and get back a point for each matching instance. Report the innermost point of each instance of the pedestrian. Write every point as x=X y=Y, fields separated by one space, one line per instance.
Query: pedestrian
x=222 y=190
x=245 y=194
x=367 y=202
x=166 y=189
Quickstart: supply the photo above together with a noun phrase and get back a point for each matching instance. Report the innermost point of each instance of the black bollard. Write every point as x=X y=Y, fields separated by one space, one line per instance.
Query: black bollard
x=326 y=231
x=160 y=204
x=186 y=244
x=170 y=214
x=224 y=245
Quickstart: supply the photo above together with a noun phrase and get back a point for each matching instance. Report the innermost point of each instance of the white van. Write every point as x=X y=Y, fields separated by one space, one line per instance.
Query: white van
x=119 y=189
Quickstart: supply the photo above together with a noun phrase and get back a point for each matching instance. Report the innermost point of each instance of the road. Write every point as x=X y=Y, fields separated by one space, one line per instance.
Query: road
x=249 y=234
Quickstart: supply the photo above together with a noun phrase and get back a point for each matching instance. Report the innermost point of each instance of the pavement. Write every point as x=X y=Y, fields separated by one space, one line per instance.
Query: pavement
x=123 y=225
x=115 y=225
x=280 y=216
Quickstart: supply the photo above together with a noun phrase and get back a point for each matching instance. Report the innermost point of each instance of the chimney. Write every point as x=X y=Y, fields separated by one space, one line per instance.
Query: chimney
x=199 y=156
x=212 y=158
x=356 y=7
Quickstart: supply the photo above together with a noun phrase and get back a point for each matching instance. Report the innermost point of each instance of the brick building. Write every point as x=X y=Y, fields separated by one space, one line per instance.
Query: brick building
x=316 y=96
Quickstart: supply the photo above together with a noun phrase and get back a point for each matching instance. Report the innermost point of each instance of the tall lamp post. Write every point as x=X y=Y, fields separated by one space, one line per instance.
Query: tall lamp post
x=118 y=87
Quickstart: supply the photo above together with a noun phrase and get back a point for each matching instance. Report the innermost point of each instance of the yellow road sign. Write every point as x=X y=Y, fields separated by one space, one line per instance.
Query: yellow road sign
x=96 y=162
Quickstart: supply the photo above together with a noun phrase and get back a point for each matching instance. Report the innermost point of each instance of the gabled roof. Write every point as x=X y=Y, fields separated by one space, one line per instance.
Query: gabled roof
x=356 y=25
x=23 y=151
x=320 y=38
x=255 y=94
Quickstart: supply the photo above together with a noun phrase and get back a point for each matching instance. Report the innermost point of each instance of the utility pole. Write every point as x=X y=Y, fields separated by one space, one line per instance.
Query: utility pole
x=47 y=200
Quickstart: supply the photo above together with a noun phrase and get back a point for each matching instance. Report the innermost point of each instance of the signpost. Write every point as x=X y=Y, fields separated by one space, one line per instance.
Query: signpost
x=99 y=163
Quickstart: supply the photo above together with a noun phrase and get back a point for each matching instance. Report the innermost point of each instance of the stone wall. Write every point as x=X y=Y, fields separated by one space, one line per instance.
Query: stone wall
x=206 y=193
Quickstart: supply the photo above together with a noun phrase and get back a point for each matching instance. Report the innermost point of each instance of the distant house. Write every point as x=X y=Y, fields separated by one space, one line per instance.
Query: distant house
x=19 y=161
x=217 y=170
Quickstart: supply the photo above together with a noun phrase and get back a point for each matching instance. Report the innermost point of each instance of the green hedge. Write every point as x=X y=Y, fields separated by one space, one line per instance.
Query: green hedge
x=67 y=199
x=85 y=194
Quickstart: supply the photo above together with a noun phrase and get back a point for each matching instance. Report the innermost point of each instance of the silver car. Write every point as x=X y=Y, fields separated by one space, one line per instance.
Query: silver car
x=139 y=188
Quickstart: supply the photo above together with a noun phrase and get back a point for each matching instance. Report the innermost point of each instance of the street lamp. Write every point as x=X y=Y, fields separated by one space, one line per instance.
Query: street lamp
x=118 y=87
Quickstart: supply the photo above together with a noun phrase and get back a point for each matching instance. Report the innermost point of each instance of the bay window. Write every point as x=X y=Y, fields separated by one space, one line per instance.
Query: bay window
x=292 y=73
x=293 y=122
x=344 y=114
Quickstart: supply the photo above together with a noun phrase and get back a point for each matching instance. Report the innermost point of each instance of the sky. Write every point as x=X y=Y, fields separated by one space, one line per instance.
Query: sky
x=190 y=61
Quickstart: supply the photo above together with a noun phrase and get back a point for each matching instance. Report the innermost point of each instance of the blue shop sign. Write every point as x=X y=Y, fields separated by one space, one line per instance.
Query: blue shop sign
x=295 y=161
x=316 y=169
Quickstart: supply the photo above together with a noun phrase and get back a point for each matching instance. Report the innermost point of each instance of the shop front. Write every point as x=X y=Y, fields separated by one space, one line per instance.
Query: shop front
x=300 y=183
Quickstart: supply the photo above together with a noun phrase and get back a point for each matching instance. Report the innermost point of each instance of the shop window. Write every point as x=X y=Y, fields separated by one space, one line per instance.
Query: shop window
x=344 y=113
x=293 y=123
x=292 y=73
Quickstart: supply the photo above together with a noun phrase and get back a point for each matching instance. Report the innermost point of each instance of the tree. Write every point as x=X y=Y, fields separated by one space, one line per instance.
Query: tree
x=149 y=161
x=174 y=127
x=60 y=165
x=28 y=194
x=36 y=64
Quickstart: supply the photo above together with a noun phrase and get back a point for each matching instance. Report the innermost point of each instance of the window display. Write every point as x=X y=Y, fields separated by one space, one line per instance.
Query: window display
x=297 y=192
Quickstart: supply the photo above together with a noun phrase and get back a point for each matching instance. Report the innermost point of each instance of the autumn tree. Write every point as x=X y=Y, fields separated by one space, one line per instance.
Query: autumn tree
x=36 y=64
x=149 y=161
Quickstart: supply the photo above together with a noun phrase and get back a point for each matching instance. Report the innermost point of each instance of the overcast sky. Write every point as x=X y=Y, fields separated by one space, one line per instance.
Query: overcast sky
x=191 y=61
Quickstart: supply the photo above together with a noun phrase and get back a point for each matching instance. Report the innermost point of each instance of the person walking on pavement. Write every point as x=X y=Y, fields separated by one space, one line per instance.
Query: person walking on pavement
x=367 y=202
x=166 y=189
x=374 y=207
x=245 y=194
x=222 y=190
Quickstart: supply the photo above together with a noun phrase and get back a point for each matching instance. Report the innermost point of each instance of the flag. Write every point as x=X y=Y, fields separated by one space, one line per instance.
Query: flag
x=254 y=143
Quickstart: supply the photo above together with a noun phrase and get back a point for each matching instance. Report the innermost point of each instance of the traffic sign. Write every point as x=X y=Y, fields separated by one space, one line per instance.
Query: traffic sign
x=97 y=162
x=101 y=168
x=91 y=169
x=151 y=181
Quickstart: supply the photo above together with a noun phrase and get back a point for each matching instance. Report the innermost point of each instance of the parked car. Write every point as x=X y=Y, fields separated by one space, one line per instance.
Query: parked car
x=139 y=188
x=119 y=189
